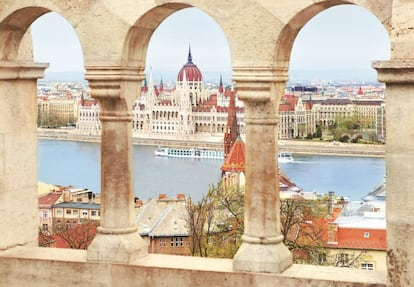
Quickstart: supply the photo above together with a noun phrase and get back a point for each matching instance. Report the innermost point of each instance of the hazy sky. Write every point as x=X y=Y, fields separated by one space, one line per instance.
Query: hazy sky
x=345 y=37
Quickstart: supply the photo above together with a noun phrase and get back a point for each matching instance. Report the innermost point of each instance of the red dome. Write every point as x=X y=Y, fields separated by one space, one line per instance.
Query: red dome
x=192 y=72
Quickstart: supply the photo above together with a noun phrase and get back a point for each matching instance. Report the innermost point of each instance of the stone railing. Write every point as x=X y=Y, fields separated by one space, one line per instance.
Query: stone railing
x=24 y=266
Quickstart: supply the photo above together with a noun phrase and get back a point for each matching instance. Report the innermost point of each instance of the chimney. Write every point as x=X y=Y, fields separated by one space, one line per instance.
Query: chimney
x=138 y=202
x=162 y=196
x=181 y=196
x=331 y=202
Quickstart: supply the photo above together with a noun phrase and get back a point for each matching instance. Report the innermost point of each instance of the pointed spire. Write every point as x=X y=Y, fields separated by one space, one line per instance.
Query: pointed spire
x=232 y=130
x=190 y=58
x=221 y=85
x=161 y=86
x=82 y=101
x=145 y=86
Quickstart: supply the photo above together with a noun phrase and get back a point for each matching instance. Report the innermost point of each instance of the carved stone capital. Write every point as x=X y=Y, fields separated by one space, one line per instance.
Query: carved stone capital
x=116 y=88
x=22 y=70
x=395 y=71
x=254 y=83
x=110 y=81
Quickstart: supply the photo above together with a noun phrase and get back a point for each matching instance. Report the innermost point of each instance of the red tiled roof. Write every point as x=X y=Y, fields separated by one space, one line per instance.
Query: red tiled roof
x=49 y=199
x=354 y=238
x=288 y=103
x=235 y=161
x=88 y=103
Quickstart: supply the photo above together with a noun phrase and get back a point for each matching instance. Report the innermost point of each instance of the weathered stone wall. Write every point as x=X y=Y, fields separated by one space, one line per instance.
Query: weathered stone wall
x=114 y=36
x=47 y=267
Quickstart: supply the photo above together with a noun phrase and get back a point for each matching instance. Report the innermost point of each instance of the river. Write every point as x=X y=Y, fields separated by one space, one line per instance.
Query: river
x=78 y=164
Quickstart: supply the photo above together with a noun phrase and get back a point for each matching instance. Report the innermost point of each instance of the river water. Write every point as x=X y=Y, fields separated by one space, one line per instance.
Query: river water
x=78 y=164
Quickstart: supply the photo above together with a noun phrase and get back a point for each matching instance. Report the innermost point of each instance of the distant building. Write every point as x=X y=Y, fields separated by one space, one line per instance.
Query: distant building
x=68 y=214
x=187 y=110
x=77 y=206
x=297 y=118
x=88 y=117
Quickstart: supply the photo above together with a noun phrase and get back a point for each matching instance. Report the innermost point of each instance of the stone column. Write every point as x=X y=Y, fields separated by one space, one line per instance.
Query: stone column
x=262 y=249
x=117 y=239
x=399 y=106
x=18 y=153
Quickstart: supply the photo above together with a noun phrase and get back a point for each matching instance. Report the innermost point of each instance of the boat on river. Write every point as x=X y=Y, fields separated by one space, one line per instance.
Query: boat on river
x=189 y=153
x=205 y=153
x=284 y=157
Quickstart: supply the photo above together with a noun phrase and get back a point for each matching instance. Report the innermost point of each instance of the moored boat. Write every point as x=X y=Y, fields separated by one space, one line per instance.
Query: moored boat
x=189 y=153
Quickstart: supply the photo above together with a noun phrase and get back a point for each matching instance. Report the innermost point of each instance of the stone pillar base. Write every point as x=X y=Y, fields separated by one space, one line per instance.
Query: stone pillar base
x=265 y=258
x=117 y=248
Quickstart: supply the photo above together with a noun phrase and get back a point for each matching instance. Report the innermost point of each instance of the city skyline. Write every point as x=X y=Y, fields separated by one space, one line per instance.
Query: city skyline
x=342 y=49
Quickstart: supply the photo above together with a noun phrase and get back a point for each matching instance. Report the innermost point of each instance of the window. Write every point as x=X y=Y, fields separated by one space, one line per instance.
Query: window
x=163 y=242
x=59 y=211
x=367 y=266
x=84 y=212
x=68 y=211
x=93 y=213
x=44 y=226
x=366 y=234
x=75 y=212
x=45 y=214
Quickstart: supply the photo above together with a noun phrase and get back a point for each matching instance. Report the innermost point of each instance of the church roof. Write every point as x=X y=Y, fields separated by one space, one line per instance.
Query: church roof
x=235 y=161
x=190 y=72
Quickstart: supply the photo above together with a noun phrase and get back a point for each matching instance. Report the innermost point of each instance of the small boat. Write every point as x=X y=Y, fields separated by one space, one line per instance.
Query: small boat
x=284 y=157
x=189 y=153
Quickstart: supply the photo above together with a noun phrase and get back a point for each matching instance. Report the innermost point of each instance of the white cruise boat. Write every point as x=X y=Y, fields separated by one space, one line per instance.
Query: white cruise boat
x=189 y=153
x=285 y=157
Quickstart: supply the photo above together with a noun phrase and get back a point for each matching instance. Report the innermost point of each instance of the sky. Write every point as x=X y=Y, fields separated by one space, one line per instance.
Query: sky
x=343 y=39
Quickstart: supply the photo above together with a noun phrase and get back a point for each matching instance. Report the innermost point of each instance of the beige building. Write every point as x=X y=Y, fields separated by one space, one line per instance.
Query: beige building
x=114 y=36
x=56 y=112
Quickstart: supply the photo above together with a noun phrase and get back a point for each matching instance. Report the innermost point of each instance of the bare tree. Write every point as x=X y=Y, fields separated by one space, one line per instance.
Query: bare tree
x=303 y=227
x=216 y=222
x=199 y=219
x=79 y=236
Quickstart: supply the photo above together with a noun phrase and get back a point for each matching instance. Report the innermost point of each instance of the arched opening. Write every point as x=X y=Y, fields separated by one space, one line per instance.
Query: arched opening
x=68 y=171
x=187 y=52
x=329 y=59
x=20 y=74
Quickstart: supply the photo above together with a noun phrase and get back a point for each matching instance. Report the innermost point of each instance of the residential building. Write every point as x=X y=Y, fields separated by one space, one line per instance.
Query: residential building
x=68 y=214
x=162 y=224
x=357 y=238
x=46 y=203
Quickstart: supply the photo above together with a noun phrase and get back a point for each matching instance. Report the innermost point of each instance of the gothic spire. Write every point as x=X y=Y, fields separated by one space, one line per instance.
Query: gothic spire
x=232 y=130
x=221 y=85
x=190 y=58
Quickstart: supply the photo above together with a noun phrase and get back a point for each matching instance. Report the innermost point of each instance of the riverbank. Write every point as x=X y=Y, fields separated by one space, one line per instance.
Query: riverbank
x=216 y=143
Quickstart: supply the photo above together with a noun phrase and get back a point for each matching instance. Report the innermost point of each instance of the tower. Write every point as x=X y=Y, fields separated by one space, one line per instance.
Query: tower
x=232 y=130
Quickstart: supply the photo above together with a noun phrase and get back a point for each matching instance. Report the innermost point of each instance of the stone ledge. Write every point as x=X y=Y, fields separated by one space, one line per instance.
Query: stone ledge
x=65 y=267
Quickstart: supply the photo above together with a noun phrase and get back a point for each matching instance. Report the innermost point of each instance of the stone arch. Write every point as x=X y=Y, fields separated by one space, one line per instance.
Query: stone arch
x=13 y=32
x=381 y=9
x=14 y=27
x=18 y=80
x=137 y=39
